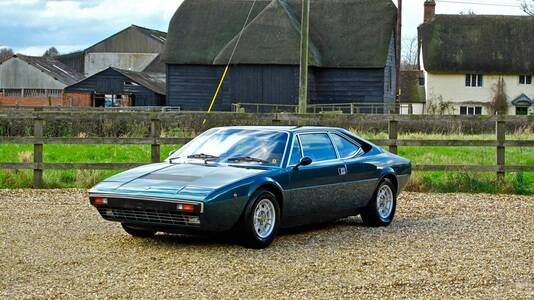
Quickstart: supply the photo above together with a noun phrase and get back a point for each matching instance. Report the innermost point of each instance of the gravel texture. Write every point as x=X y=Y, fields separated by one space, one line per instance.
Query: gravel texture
x=54 y=245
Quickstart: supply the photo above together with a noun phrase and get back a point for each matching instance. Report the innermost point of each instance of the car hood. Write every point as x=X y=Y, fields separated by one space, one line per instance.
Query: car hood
x=183 y=181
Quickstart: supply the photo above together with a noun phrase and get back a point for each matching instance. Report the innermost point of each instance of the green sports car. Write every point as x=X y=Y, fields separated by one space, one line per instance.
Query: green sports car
x=256 y=180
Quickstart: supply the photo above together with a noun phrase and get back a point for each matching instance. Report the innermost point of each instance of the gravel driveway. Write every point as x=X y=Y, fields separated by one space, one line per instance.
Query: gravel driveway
x=54 y=245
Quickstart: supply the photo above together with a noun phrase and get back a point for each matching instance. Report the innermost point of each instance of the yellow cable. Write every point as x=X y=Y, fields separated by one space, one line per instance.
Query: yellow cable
x=217 y=92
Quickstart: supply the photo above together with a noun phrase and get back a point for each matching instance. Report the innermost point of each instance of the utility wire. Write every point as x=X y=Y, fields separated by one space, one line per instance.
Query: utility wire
x=219 y=86
x=481 y=3
x=241 y=32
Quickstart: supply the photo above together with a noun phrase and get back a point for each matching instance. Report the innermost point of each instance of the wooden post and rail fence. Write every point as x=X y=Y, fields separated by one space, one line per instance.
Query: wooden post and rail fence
x=38 y=140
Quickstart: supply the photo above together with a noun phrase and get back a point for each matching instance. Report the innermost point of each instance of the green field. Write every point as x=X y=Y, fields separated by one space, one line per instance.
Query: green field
x=520 y=183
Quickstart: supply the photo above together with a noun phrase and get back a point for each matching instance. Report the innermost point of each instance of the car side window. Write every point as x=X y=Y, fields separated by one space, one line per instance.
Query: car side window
x=345 y=147
x=318 y=146
x=296 y=153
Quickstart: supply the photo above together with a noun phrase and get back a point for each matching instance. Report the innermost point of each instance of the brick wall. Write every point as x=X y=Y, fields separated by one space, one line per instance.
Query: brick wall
x=68 y=99
x=77 y=99
x=29 y=101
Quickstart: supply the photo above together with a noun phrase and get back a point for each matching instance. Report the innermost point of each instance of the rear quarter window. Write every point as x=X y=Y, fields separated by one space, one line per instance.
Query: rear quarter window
x=346 y=148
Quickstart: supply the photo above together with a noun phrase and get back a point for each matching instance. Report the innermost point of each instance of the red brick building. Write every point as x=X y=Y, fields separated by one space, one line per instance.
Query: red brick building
x=38 y=81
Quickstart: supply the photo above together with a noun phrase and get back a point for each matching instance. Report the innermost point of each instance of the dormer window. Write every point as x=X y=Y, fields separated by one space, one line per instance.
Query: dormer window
x=473 y=80
x=525 y=79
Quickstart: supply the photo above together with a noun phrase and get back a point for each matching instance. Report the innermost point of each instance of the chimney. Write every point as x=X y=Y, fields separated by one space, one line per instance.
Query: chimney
x=430 y=10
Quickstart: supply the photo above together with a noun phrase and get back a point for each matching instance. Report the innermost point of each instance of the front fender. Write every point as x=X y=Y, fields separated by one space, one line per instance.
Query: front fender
x=225 y=206
x=262 y=181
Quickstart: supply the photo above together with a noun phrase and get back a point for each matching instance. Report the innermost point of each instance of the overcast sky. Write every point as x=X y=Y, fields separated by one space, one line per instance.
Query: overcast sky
x=32 y=26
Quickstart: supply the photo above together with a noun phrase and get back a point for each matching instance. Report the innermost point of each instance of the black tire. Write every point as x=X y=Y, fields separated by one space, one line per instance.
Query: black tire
x=249 y=236
x=370 y=214
x=138 y=232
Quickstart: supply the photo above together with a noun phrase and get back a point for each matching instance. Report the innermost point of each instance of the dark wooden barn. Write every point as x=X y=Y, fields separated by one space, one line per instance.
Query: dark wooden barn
x=115 y=88
x=352 y=52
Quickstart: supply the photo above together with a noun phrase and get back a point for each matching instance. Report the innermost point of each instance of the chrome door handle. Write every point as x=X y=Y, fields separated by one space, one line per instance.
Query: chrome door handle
x=342 y=171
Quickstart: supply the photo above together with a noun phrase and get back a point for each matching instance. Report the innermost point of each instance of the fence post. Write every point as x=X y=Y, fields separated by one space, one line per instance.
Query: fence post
x=501 y=138
x=38 y=153
x=393 y=135
x=155 y=132
x=352 y=108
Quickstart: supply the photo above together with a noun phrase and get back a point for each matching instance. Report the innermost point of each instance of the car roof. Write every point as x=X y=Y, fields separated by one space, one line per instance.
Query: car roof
x=296 y=129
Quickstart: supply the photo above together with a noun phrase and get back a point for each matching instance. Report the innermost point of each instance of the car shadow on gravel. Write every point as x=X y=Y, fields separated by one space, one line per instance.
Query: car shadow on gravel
x=197 y=239
x=322 y=227
x=232 y=237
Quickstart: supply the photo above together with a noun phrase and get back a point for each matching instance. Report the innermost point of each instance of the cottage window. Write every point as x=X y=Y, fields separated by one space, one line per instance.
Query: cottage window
x=473 y=80
x=521 y=110
x=471 y=110
x=525 y=79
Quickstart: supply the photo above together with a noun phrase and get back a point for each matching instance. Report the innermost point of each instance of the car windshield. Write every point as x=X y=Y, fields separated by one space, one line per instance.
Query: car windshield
x=235 y=146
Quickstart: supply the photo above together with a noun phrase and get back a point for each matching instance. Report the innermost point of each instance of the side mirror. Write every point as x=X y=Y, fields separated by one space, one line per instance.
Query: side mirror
x=305 y=161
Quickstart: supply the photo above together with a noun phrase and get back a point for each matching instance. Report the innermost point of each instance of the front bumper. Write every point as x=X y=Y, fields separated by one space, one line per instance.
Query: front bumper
x=161 y=214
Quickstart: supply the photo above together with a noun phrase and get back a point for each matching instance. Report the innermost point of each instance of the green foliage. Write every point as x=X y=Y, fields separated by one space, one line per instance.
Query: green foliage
x=499 y=103
x=520 y=183
x=71 y=154
x=439 y=107
x=455 y=182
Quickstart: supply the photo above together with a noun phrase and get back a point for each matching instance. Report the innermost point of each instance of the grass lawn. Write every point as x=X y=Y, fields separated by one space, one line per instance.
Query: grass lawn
x=422 y=181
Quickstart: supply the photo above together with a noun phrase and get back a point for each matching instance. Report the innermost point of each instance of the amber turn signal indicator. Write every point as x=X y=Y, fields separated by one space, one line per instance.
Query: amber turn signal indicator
x=188 y=208
x=100 y=201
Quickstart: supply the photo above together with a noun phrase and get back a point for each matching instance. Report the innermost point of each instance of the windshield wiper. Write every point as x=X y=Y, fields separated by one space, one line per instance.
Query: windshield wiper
x=247 y=159
x=203 y=156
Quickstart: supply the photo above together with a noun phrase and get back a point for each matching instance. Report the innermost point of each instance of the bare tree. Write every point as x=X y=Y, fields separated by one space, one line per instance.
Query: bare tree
x=51 y=52
x=469 y=12
x=5 y=53
x=409 y=54
x=528 y=7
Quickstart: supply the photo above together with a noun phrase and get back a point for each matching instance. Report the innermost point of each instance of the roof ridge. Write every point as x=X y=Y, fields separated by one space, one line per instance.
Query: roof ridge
x=295 y=25
x=147 y=28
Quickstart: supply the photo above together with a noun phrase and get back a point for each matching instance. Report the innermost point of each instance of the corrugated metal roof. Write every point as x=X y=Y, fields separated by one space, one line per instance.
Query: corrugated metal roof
x=145 y=80
x=53 y=68
x=156 y=66
x=158 y=35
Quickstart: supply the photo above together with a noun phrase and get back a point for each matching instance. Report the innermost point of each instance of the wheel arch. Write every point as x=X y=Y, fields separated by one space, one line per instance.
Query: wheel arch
x=390 y=174
x=271 y=186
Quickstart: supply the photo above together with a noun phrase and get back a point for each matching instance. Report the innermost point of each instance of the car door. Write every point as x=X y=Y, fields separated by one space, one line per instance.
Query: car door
x=313 y=187
x=362 y=176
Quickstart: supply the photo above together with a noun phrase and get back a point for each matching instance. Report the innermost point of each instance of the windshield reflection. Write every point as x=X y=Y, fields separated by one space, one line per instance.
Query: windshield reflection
x=236 y=146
